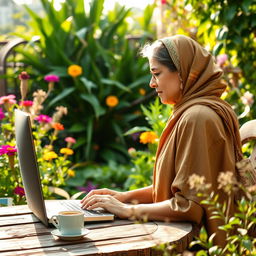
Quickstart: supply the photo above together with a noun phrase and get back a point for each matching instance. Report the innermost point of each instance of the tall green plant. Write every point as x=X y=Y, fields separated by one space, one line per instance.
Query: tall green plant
x=229 y=28
x=110 y=65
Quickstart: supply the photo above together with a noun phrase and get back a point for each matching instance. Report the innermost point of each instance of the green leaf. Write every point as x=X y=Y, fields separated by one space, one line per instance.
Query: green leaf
x=115 y=83
x=88 y=84
x=58 y=71
x=77 y=128
x=89 y=137
x=61 y=96
x=230 y=12
x=137 y=129
x=222 y=33
x=119 y=132
x=144 y=80
x=201 y=253
x=94 y=102
x=247 y=244
x=245 y=4
x=82 y=33
x=217 y=48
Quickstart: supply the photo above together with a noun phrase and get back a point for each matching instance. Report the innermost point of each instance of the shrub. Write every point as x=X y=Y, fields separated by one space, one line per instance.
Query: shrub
x=53 y=162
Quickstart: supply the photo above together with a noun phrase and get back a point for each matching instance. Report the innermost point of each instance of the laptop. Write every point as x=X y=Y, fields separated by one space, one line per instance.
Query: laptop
x=42 y=209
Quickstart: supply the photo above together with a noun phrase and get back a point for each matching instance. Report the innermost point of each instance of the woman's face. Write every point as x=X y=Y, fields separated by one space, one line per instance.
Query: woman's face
x=166 y=83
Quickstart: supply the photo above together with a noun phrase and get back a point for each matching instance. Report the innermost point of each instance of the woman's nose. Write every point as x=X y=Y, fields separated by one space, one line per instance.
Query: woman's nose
x=152 y=83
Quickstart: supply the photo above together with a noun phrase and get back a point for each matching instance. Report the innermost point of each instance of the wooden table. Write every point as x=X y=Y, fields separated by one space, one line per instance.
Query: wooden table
x=22 y=234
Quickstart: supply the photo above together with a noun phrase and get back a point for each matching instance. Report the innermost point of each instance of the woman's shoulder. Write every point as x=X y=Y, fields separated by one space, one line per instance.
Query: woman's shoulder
x=200 y=114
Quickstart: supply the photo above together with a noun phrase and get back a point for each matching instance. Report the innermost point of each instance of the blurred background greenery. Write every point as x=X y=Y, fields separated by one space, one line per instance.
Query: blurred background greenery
x=105 y=43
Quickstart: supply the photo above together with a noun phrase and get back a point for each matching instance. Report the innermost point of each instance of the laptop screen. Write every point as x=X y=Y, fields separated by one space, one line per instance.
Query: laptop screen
x=28 y=165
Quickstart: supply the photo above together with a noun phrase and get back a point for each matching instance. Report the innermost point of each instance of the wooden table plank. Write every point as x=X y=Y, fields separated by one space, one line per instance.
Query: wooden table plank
x=37 y=228
x=135 y=245
x=20 y=219
x=22 y=234
x=14 y=210
x=29 y=241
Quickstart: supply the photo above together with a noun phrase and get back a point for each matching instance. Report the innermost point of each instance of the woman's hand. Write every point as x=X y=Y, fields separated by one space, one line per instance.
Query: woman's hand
x=120 y=196
x=99 y=198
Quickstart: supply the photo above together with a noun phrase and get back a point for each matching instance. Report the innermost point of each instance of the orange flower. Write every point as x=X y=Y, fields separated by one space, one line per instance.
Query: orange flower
x=75 y=70
x=112 y=101
x=66 y=151
x=50 y=155
x=71 y=173
x=142 y=91
x=148 y=137
x=58 y=126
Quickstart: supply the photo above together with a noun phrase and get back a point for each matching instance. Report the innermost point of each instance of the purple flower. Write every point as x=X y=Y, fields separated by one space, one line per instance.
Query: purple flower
x=2 y=115
x=43 y=119
x=88 y=188
x=135 y=135
x=51 y=78
x=19 y=191
x=7 y=149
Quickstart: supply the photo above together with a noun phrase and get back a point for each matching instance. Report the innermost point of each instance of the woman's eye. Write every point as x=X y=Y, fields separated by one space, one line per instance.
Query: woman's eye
x=156 y=74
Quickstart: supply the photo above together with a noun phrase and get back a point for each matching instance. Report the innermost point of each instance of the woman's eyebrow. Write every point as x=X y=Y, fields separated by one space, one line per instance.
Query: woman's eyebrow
x=153 y=69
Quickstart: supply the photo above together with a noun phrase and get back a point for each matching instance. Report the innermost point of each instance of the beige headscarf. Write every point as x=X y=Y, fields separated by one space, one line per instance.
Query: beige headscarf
x=202 y=84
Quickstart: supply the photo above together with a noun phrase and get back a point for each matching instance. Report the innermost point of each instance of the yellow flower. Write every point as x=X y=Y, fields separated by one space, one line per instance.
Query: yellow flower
x=142 y=91
x=112 y=101
x=71 y=173
x=75 y=70
x=148 y=137
x=50 y=155
x=67 y=151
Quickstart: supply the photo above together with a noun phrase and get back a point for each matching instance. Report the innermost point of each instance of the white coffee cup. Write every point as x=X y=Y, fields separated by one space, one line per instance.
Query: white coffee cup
x=69 y=222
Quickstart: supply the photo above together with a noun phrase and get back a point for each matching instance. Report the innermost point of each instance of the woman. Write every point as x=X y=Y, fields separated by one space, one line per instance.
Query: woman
x=201 y=137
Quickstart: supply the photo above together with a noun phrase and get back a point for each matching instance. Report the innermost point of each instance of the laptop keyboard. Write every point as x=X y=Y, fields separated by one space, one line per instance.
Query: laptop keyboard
x=70 y=205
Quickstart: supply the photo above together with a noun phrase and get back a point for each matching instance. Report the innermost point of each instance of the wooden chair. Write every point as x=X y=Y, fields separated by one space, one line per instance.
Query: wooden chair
x=247 y=167
x=248 y=133
x=5 y=51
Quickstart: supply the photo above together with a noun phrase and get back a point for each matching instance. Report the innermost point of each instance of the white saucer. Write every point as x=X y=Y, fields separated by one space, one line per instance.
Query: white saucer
x=57 y=233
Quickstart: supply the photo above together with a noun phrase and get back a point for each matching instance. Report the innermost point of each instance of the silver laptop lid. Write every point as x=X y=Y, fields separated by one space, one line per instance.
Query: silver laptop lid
x=28 y=165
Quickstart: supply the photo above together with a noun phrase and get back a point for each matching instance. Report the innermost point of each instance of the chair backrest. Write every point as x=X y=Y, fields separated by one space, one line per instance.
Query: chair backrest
x=248 y=133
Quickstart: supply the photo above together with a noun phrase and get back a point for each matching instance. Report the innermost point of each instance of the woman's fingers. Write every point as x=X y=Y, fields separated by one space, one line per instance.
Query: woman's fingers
x=107 y=202
x=102 y=191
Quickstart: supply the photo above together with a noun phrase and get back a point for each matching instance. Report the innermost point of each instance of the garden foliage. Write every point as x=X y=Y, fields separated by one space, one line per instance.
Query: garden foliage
x=108 y=81
x=53 y=161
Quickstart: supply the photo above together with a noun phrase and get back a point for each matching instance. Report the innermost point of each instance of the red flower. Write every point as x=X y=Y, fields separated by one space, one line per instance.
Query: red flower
x=24 y=75
x=19 y=191
x=26 y=103
x=58 y=126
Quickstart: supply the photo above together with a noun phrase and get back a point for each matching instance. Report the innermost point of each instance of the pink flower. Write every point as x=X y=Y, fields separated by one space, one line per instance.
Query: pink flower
x=24 y=75
x=132 y=152
x=8 y=99
x=70 y=140
x=2 y=116
x=221 y=59
x=7 y=149
x=163 y=1
x=43 y=119
x=51 y=78
x=26 y=103
x=19 y=191
x=247 y=98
